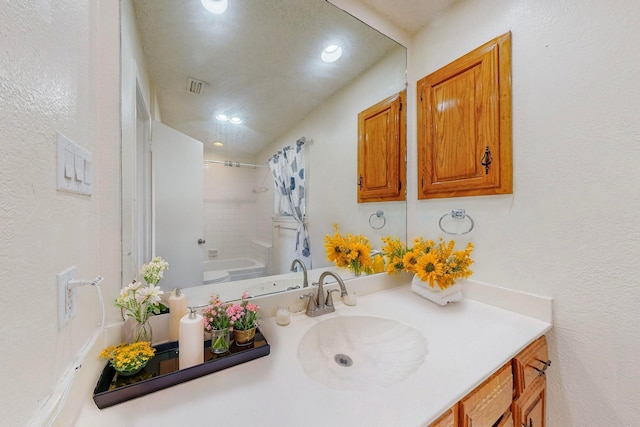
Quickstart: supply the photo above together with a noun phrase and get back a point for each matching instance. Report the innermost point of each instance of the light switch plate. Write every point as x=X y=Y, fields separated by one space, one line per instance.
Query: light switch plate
x=73 y=175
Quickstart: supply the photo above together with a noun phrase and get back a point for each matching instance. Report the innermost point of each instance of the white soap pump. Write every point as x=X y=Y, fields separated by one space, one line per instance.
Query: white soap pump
x=191 y=340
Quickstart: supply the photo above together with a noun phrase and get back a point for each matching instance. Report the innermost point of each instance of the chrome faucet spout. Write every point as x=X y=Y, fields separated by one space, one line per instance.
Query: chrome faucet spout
x=321 y=304
x=343 y=288
x=305 y=283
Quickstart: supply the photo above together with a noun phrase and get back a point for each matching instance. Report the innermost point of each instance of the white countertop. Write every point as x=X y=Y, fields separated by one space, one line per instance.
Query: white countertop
x=467 y=341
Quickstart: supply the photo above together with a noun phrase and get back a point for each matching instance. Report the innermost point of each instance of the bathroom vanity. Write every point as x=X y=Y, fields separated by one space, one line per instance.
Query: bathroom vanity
x=468 y=344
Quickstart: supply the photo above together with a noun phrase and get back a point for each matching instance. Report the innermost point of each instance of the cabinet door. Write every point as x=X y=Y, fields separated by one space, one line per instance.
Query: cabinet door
x=464 y=125
x=485 y=406
x=529 y=408
x=381 y=151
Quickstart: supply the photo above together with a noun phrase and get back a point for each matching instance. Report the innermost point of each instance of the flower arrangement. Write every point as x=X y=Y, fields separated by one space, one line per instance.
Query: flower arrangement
x=153 y=271
x=128 y=358
x=139 y=301
x=243 y=315
x=217 y=322
x=436 y=263
x=349 y=250
x=214 y=316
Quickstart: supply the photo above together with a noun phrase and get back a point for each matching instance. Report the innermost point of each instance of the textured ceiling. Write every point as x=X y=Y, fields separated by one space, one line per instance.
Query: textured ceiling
x=260 y=60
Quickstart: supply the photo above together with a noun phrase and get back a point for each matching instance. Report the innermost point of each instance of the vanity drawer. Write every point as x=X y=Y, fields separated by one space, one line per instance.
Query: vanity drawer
x=485 y=405
x=530 y=364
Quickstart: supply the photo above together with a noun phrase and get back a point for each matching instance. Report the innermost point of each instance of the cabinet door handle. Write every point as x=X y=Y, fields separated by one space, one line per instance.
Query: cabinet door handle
x=528 y=425
x=486 y=160
x=360 y=182
x=546 y=365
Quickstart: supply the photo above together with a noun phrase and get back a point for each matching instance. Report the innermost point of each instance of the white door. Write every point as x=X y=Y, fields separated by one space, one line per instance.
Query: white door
x=178 y=205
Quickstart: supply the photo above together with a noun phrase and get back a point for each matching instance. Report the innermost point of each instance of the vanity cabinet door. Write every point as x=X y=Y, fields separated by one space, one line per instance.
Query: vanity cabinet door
x=485 y=406
x=381 y=151
x=529 y=408
x=464 y=125
x=448 y=419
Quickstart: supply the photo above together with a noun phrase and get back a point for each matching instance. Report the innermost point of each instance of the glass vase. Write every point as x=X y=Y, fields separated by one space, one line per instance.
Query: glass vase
x=142 y=331
x=220 y=340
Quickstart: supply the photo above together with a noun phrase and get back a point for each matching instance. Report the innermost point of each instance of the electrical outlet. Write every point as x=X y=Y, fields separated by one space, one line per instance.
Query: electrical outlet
x=66 y=296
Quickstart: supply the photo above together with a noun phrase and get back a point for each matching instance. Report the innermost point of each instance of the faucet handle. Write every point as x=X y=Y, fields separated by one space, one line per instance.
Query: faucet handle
x=311 y=306
x=329 y=300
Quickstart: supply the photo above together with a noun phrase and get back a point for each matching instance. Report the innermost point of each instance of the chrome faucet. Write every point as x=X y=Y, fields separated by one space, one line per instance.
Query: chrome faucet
x=305 y=283
x=320 y=305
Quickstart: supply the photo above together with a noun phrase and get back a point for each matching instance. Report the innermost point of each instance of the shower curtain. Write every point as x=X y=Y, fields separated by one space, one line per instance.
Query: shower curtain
x=287 y=167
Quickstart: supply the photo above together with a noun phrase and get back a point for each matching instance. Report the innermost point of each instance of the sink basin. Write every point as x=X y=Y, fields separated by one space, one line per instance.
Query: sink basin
x=356 y=352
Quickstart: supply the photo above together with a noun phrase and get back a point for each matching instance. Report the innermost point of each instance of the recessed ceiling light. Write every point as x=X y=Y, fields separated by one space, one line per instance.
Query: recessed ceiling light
x=218 y=144
x=222 y=117
x=235 y=120
x=331 y=53
x=215 y=6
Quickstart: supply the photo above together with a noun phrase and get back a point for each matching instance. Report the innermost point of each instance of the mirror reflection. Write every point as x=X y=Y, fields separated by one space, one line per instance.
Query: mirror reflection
x=218 y=98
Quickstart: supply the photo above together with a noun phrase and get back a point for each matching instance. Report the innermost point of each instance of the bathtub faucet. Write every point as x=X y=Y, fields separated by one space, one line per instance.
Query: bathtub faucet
x=304 y=271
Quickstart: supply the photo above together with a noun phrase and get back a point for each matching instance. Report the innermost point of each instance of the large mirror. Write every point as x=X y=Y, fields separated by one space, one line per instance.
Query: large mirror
x=197 y=190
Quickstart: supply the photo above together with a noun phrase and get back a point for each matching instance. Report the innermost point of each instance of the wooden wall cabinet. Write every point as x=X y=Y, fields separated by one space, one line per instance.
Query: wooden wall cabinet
x=464 y=125
x=381 y=151
x=512 y=396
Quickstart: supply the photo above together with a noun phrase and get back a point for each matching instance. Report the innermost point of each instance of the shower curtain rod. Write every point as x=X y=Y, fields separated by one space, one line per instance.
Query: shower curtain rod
x=236 y=164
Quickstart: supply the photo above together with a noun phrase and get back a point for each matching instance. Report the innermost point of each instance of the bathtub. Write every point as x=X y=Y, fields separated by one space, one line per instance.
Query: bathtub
x=238 y=268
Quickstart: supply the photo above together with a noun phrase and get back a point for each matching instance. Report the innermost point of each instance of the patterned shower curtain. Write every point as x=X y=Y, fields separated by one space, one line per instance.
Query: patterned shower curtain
x=287 y=167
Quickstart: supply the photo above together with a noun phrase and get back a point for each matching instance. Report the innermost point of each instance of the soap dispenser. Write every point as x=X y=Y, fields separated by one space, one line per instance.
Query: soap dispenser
x=177 y=309
x=191 y=340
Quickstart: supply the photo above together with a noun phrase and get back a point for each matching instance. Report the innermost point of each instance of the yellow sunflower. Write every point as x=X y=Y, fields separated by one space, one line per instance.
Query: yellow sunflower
x=429 y=268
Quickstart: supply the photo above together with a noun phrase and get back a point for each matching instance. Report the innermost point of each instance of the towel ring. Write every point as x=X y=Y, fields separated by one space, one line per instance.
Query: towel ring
x=378 y=214
x=458 y=214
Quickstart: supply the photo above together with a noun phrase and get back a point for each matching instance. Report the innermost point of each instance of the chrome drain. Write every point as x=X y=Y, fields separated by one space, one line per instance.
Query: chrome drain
x=343 y=360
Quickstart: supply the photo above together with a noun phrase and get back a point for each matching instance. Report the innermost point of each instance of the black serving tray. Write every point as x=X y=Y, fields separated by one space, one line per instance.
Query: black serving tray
x=162 y=370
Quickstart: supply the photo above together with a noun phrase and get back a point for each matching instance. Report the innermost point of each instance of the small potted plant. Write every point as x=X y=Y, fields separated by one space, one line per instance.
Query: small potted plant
x=217 y=322
x=244 y=319
x=128 y=359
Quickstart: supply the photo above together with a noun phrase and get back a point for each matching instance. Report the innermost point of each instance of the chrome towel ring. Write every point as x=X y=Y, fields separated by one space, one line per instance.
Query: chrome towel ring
x=378 y=214
x=457 y=214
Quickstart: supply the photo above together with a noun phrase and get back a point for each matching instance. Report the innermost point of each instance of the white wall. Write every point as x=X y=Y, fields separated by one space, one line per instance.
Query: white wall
x=332 y=151
x=51 y=79
x=570 y=230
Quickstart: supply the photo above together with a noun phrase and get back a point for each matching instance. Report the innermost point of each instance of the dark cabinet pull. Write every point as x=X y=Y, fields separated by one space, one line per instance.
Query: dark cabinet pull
x=528 y=425
x=486 y=160
x=546 y=365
